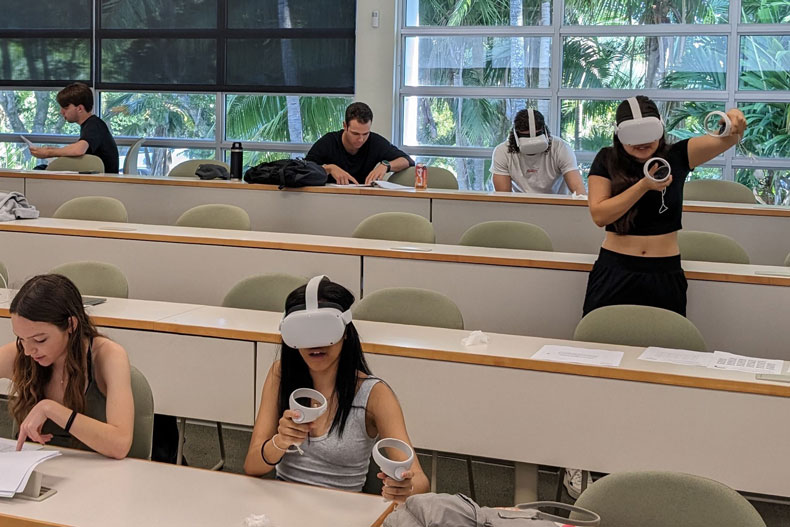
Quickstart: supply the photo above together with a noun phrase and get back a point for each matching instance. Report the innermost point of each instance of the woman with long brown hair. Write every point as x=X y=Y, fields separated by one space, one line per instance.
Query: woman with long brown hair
x=70 y=386
x=639 y=262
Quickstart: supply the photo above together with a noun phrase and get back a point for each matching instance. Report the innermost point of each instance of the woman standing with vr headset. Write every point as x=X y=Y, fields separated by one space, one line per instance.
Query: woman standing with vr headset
x=639 y=199
x=321 y=350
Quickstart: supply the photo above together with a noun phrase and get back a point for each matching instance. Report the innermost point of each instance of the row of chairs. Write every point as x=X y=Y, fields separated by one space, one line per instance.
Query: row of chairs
x=440 y=178
x=408 y=227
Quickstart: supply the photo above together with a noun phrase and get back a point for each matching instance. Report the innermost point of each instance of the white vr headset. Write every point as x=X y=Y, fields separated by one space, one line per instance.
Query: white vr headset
x=534 y=144
x=314 y=324
x=639 y=130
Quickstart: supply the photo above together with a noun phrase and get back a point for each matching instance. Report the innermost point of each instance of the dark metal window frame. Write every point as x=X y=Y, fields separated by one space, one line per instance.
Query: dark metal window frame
x=48 y=34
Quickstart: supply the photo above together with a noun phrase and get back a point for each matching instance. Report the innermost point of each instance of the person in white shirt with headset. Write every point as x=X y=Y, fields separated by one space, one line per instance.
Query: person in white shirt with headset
x=532 y=160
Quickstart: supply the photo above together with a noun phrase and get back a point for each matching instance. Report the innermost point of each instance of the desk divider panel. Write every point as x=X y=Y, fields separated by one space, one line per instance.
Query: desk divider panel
x=11 y=184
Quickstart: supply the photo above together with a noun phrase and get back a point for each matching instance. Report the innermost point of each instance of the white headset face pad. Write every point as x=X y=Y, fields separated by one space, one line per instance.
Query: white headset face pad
x=314 y=326
x=639 y=130
x=534 y=144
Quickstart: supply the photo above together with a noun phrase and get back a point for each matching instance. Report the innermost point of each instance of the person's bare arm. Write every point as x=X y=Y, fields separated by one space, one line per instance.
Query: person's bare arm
x=703 y=148
x=605 y=208
x=75 y=149
x=503 y=183
x=574 y=181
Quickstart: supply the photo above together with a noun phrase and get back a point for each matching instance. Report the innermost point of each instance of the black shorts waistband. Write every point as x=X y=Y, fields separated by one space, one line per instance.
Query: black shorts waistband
x=639 y=264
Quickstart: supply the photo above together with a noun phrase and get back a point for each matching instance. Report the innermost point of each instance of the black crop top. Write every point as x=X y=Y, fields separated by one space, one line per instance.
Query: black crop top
x=647 y=221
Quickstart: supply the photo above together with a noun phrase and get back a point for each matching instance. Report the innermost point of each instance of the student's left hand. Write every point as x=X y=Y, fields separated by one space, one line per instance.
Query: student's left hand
x=737 y=122
x=31 y=426
x=41 y=152
x=378 y=172
x=394 y=490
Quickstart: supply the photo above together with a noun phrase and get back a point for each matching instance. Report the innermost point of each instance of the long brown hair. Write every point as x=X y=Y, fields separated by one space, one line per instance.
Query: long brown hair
x=624 y=169
x=54 y=299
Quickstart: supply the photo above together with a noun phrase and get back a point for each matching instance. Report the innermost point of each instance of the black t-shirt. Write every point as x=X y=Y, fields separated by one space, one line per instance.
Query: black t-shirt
x=329 y=150
x=647 y=220
x=100 y=142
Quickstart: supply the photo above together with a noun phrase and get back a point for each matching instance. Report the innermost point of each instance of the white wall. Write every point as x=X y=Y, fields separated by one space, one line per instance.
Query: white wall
x=375 y=62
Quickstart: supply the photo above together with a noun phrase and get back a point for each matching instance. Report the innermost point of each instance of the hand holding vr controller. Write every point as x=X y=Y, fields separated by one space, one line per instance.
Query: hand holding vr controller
x=297 y=422
x=395 y=473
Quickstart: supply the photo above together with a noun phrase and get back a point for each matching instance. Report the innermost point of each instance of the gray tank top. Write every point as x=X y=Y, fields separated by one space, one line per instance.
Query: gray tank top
x=95 y=407
x=331 y=460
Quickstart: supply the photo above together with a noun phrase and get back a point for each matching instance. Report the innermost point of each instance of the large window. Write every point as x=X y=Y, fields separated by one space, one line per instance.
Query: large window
x=468 y=67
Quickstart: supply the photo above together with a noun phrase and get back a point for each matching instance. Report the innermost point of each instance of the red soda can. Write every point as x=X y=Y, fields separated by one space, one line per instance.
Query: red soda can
x=420 y=176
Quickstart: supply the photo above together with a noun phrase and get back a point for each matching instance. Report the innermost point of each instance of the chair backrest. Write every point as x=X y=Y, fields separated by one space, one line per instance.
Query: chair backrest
x=142 y=439
x=639 y=326
x=96 y=208
x=264 y=292
x=437 y=178
x=659 y=499
x=83 y=163
x=95 y=278
x=4 y=274
x=188 y=168
x=396 y=226
x=787 y=260
x=717 y=190
x=215 y=216
x=409 y=305
x=130 y=161
x=508 y=235
x=710 y=247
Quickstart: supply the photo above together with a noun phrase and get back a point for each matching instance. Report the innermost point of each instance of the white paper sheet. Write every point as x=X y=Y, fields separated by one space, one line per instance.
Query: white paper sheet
x=26 y=140
x=676 y=356
x=729 y=361
x=9 y=445
x=591 y=357
x=16 y=468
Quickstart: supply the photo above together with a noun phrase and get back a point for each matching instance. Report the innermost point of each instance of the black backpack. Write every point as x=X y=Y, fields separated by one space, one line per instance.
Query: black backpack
x=287 y=173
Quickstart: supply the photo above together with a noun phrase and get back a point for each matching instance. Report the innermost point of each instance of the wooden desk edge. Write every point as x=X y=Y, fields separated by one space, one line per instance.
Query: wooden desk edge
x=8 y=520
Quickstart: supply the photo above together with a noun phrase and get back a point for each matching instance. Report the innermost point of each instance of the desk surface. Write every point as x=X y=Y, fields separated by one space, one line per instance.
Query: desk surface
x=462 y=195
x=95 y=491
x=400 y=340
x=748 y=274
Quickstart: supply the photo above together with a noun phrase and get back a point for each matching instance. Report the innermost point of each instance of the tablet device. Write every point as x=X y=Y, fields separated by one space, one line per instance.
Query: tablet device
x=92 y=300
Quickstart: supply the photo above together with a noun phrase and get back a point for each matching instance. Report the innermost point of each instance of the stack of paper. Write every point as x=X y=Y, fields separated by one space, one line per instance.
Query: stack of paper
x=729 y=361
x=16 y=468
x=675 y=356
x=590 y=357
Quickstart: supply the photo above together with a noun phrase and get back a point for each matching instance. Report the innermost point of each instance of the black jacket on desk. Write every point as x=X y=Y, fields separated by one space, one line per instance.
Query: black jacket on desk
x=95 y=132
x=329 y=150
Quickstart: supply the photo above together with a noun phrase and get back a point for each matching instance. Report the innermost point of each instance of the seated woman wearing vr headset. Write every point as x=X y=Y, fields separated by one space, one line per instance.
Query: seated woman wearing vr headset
x=639 y=199
x=321 y=350
x=531 y=160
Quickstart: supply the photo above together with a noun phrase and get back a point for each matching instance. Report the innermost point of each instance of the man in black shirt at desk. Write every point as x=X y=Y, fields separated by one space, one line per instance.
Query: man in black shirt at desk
x=76 y=106
x=355 y=154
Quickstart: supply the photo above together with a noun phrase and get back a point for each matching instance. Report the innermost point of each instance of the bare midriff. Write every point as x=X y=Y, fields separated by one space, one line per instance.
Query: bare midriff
x=648 y=246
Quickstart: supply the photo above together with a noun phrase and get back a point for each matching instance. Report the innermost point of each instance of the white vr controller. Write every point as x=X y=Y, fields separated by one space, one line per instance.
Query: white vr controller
x=661 y=161
x=393 y=469
x=307 y=414
x=722 y=126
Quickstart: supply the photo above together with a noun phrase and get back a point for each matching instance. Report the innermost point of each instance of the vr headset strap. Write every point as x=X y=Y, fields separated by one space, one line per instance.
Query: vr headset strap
x=635 y=111
x=311 y=293
x=531 y=114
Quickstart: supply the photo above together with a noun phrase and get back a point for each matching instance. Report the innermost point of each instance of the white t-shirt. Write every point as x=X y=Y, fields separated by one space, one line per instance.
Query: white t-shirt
x=540 y=173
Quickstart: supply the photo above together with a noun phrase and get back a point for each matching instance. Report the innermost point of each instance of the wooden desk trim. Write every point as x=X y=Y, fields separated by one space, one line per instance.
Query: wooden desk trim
x=713 y=208
x=781 y=281
x=8 y=520
x=477 y=359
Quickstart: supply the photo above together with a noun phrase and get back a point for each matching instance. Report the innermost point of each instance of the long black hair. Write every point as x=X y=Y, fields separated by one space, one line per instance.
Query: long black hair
x=294 y=372
x=521 y=122
x=624 y=169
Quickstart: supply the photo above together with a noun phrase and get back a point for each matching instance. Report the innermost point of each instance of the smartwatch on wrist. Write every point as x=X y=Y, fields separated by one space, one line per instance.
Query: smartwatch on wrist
x=386 y=164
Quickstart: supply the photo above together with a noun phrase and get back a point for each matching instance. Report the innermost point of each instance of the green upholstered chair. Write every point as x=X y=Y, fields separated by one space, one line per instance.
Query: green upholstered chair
x=96 y=208
x=396 y=226
x=95 y=278
x=437 y=178
x=643 y=326
x=660 y=499
x=215 y=216
x=717 y=190
x=143 y=416
x=409 y=305
x=710 y=247
x=4 y=275
x=130 y=161
x=188 y=168
x=507 y=235
x=83 y=163
x=264 y=292
x=787 y=260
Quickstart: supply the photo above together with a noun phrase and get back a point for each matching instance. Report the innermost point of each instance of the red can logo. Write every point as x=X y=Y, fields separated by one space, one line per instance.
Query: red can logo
x=420 y=176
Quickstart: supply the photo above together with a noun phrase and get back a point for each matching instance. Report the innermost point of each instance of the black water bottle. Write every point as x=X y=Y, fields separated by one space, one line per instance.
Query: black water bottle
x=236 y=160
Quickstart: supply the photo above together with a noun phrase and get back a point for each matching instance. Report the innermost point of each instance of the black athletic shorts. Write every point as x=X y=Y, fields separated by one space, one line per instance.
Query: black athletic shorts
x=618 y=279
